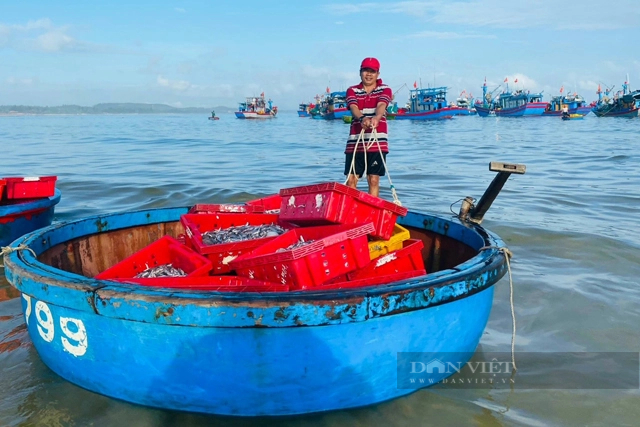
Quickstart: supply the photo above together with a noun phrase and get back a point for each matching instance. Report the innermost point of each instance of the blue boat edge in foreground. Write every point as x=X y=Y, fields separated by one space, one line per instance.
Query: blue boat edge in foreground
x=248 y=354
x=18 y=219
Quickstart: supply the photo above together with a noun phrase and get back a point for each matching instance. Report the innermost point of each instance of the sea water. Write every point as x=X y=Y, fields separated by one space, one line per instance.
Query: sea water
x=571 y=222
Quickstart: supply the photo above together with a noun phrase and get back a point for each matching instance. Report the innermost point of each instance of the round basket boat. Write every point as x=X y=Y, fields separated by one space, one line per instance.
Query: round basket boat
x=248 y=354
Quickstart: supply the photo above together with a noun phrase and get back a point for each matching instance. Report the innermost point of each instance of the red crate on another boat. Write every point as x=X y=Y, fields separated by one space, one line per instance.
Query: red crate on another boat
x=335 y=203
x=210 y=283
x=269 y=204
x=332 y=251
x=408 y=258
x=3 y=183
x=163 y=251
x=220 y=255
x=30 y=187
x=373 y=281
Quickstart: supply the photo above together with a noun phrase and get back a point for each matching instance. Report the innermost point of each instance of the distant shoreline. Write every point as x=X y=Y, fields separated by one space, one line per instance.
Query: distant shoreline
x=105 y=108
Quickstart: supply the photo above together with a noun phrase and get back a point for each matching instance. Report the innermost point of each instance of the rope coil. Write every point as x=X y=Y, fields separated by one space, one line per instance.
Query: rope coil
x=373 y=139
x=6 y=250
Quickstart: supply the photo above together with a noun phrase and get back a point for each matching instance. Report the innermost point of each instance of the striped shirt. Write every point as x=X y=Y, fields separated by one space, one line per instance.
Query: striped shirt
x=367 y=103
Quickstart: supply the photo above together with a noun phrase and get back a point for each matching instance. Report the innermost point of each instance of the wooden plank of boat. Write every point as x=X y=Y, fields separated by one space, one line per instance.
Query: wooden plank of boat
x=251 y=354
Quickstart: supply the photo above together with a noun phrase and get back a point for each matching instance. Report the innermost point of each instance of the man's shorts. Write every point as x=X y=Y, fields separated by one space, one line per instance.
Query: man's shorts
x=375 y=165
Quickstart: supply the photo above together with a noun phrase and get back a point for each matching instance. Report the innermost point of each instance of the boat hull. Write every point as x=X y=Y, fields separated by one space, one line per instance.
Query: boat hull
x=303 y=114
x=244 y=354
x=20 y=218
x=440 y=114
x=583 y=111
x=625 y=112
x=252 y=115
x=531 y=109
x=485 y=111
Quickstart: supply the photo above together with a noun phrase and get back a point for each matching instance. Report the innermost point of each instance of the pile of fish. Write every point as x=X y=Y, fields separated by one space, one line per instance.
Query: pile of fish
x=164 y=270
x=241 y=233
x=296 y=245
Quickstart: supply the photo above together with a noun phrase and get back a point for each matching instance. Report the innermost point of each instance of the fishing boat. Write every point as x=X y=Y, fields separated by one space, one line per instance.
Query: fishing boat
x=256 y=108
x=624 y=103
x=249 y=353
x=519 y=103
x=574 y=103
x=213 y=116
x=464 y=105
x=426 y=104
x=572 y=116
x=336 y=106
x=304 y=108
x=22 y=216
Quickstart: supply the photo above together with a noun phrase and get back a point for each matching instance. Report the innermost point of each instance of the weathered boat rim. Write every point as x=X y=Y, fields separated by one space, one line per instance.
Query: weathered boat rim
x=345 y=305
x=31 y=205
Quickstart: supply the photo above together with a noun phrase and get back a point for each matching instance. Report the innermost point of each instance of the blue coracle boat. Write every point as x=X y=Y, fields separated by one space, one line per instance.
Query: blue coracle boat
x=250 y=354
x=22 y=216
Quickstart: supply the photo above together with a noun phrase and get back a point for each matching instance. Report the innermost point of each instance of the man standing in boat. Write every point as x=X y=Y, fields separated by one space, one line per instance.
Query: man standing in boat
x=368 y=103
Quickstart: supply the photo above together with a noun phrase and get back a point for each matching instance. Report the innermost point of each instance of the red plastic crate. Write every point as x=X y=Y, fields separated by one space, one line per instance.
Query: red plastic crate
x=334 y=203
x=220 y=255
x=30 y=187
x=408 y=258
x=225 y=208
x=373 y=281
x=165 y=250
x=3 y=183
x=269 y=204
x=210 y=283
x=335 y=251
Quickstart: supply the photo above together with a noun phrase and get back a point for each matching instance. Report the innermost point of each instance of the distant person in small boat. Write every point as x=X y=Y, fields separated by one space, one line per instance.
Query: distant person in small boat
x=213 y=114
x=565 y=111
x=368 y=103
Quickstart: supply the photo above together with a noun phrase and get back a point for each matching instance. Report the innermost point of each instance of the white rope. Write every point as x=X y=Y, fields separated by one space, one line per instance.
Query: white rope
x=508 y=254
x=8 y=249
x=373 y=139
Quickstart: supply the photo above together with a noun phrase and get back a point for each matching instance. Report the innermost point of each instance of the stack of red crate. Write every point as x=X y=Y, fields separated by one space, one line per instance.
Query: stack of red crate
x=326 y=244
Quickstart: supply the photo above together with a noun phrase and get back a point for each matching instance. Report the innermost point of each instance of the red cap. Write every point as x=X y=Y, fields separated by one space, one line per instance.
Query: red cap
x=372 y=63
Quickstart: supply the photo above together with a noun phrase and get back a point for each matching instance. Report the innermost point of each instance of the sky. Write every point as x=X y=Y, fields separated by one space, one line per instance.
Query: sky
x=212 y=53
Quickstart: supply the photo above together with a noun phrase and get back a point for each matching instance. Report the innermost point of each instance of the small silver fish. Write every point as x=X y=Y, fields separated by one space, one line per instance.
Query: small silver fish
x=241 y=233
x=164 y=270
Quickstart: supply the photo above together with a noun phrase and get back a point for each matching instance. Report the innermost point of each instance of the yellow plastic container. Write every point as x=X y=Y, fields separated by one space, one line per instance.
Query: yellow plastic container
x=380 y=247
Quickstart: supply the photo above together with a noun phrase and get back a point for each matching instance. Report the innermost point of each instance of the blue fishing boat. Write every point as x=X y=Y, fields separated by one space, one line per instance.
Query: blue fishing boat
x=519 y=103
x=252 y=354
x=464 y=105
x=22 y=216
x=256 y=108
x=303 y=109
x=574 y=103
x=624 y=103
x=336 y=106
x=426 y=104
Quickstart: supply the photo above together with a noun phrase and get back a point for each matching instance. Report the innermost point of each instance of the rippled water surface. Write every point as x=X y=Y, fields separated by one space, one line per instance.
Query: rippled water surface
x=571 y=222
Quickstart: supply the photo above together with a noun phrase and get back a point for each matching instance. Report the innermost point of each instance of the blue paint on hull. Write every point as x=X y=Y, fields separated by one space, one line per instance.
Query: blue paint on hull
x=303 y=114
x=21 y=218
x=249 y=354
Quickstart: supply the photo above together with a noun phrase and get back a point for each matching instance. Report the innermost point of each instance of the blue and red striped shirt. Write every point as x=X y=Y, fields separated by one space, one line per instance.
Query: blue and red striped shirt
x=367 y=103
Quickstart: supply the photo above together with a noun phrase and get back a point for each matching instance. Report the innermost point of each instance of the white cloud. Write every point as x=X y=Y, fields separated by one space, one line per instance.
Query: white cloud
x=444 y=35
x=591 y=15
x=55 y=41
x=179 y=85
x=180 y=10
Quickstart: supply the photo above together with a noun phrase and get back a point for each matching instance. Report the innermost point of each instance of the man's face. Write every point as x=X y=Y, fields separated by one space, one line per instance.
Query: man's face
x=369 y=75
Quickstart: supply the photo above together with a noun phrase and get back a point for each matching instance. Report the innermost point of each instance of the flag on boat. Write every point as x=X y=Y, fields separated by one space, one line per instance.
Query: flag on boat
x=415 y=85
x=328 y=90
x=262 y=94
x=515 y=81
x=506 y=79
x=561 y=89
